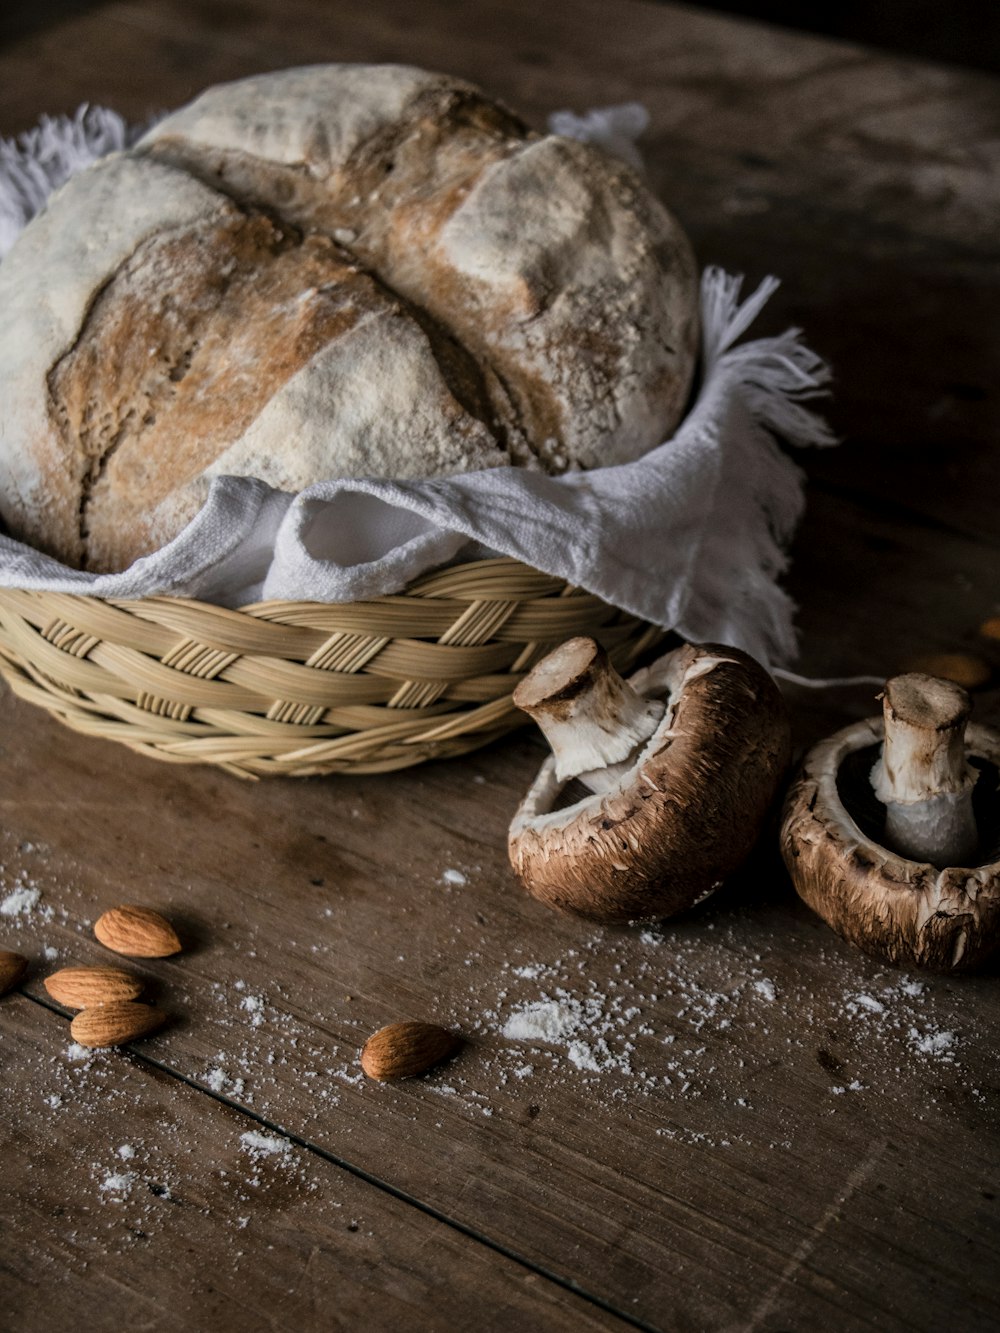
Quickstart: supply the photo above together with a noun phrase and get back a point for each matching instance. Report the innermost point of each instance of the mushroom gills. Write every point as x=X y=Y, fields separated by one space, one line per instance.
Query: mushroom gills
x=690 y=752
x=594 y=721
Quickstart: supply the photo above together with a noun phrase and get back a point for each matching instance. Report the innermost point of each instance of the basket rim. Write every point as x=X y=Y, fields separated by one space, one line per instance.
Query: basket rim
x=425 y=585
x=303 y=687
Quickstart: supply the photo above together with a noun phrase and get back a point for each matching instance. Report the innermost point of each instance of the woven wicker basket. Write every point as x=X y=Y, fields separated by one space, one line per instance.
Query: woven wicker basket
x=304 y=688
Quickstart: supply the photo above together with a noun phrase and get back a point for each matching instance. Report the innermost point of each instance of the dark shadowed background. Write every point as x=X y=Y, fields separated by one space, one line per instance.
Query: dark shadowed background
x=963 y=32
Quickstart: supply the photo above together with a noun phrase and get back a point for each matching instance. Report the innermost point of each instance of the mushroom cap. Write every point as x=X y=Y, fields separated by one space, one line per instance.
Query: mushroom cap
x=683 y=817
x=910 y=913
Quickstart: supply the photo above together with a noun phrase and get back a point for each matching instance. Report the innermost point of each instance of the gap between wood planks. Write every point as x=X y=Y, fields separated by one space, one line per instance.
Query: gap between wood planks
x=401 y=1196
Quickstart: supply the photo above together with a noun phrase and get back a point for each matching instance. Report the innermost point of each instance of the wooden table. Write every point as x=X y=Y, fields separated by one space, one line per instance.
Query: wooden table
x=760 y=1129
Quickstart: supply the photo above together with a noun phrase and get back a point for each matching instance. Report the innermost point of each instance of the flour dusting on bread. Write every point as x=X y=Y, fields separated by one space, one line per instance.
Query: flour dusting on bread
x=330 y=271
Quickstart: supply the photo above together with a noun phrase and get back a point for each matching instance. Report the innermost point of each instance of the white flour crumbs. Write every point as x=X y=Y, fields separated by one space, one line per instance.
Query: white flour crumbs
x=219 y=1081
x=581 y=1026
x=454 y=877
x=265 y=1145
x=181 y=1174
x=687 y=1024
x=860 y=1003
x=253 y=1005
x=934 y=1042
x=260 y=1058
x=19 y=902
x=912 y=988
x=118 y=1183
x=546 y=1020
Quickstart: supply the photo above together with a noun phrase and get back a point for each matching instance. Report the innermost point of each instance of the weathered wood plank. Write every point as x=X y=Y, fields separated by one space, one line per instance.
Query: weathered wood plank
x=130 y=1200
x=679 y=1167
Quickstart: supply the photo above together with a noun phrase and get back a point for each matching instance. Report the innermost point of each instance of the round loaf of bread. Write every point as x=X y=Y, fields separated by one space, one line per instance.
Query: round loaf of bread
x=335 y=271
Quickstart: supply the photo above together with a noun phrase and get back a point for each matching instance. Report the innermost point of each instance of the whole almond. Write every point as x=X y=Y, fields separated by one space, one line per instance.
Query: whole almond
x=116 y=1023
x=138 y=932
x=82 y=987
x=402 y=1050
x=12 y=968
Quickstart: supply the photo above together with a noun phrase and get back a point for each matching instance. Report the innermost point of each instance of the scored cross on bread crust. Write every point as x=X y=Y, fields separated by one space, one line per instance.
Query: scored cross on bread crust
x=332 y=271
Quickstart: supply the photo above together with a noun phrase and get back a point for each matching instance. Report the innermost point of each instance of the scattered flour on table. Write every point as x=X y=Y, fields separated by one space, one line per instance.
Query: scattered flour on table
x=934 y=1042
x=220 y=1081
x=252 y=1005
x=270 y=1145
x=120 y=1201
x=690 y=1025
x=20 y=901
x=581 y=1026
x=20 y=891
x=545 y=1020
x=118 y=1183
x=682 y=1028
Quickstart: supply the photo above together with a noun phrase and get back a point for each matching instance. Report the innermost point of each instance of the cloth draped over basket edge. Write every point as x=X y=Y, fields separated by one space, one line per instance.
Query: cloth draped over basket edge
x=692 y=536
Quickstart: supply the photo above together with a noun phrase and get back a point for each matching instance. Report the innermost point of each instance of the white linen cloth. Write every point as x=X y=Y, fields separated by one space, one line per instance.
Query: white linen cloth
x=692 y=536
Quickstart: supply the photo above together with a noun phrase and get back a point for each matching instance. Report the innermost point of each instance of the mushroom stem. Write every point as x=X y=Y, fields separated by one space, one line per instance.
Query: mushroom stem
x=594 y=721
x=923 y=778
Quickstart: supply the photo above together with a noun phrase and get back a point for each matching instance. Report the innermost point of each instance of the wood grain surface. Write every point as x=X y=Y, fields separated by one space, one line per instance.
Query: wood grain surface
x=750 y=1126
x=170 y=1206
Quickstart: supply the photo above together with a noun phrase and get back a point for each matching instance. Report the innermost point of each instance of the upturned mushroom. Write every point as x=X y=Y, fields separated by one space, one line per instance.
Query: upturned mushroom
x=890 y=830
x=681 y=764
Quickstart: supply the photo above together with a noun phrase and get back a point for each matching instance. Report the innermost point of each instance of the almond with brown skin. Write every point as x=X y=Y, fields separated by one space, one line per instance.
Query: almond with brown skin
x=83 y=987
x=402 y=1050
x=138 y=932
x=12 y=968
x=116 y=1023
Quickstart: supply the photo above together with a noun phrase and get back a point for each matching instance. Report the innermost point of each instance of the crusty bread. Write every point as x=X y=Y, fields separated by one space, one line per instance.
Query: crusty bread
x=331 y=271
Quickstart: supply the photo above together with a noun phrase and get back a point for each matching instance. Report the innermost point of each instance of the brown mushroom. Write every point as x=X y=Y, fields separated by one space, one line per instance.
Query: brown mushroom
x=880 y=832
x=682 y=763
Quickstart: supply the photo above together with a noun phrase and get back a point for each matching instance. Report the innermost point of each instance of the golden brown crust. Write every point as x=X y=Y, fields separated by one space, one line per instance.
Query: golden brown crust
x=166 y=373
x=419 y=168
x=518 y=298
x=174 y=370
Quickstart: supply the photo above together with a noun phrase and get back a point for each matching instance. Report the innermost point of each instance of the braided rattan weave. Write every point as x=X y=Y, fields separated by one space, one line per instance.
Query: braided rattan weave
x=304 y=688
